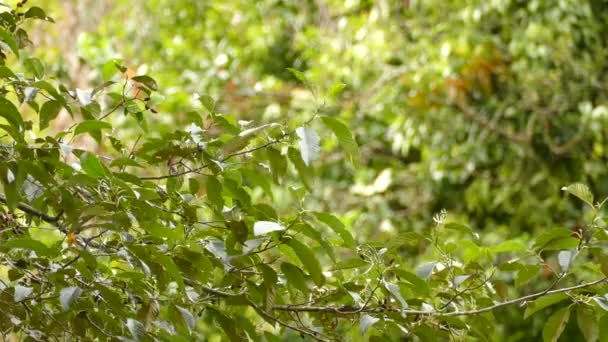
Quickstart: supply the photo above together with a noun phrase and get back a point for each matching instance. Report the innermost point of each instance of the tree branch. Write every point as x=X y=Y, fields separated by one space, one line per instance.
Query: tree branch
x=316 y=335
x=34 y=212
x=355 y=310
x=204 y=166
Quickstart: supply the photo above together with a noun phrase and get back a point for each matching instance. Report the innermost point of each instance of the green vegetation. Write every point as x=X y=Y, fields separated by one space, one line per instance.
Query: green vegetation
x=176 y=170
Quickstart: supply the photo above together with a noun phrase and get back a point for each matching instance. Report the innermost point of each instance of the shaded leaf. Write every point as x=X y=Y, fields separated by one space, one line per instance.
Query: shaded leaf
x=10 y=113
x=309 y=260
x=38 y=13
x=587 y=323
x=34 y=66
x=295 y=276
x=278 y=163
x=337 y=226
x=48 y=112
x=27 y=243
x=304 y=172
x=556 y=324
x=147 y=81
x=543 y=302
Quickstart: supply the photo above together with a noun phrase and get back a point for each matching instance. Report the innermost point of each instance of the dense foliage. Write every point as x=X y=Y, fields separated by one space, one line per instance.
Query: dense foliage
x=317 y=170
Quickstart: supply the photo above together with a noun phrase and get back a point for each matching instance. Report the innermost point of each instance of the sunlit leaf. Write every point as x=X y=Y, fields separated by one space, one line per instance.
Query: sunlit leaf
x=91 y=165
x=68 y=295
x=22 y=292
x=309 y=144
x=366 y=322
x=265 y=227
x=581 y=191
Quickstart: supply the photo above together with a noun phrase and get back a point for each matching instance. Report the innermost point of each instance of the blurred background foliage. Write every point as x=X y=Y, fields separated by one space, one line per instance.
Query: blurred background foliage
x=485 y=108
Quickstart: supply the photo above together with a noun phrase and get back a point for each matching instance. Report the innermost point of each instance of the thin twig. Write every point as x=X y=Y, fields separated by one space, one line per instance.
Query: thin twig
x=351 y=310
x=316 y=335
x=204 y=166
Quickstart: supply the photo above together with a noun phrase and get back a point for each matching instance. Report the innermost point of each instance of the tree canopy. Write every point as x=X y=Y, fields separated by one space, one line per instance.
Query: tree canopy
x=320 y=170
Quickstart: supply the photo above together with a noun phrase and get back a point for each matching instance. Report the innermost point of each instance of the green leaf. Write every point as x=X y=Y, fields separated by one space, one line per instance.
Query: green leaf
x=337 y=226
x=525 y=274
x=48 y=112
x=6 y=72
x=416 y=283
x=10 y=41
x=587 y=323
x=90 y=126
x=304 y=171
x=458 y=227
x=556 y=324
x=543 y=302
x=27 y=243
x=208 y=102
x=509 y=246
x=345 y=137
x=171 y=269
x=556 y=238
x=308 y=259
x=295 y=277
x=147 y=81
x=336 y=89
x=603 y=324
x=34 y=66
x=348 y=264
x=10 y=113
x=92 y=166
x=298 y=74
x=214 y=193
x=44 y=85
x=581 y=191
x=193 y=186
x=278 y=164
x=38 y=13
